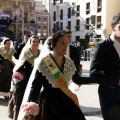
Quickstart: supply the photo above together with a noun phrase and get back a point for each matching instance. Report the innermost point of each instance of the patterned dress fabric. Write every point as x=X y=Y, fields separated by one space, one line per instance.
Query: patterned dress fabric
x=54 y=103
x=6 y=71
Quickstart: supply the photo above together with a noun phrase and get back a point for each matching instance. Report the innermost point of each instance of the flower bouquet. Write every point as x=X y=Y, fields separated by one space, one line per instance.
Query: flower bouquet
x=30 y=109
x=17 y=77
x=1 y=67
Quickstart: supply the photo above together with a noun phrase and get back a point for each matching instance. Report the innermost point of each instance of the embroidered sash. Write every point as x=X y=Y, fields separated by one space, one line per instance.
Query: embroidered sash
x=59 y=78
x=31 y=57
x=7 y=55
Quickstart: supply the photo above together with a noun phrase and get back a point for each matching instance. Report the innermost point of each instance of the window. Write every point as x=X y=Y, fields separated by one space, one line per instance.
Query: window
x=77 y=38
x=87 y=20
x=98 y=21
x=61 y=1
x=57 y=26
x=44 y=27
x=61 y=25
x=69 y=12
x=54 y=2
x=99 y=6
x=69 y=25
x=61 y=14
x=78 y=11
x=54 y=16
x=39 y=18
x=44 y=18
x=87 y=23
x=98 y=39
x=87 y=8
x=77 y=27
x=53 y=28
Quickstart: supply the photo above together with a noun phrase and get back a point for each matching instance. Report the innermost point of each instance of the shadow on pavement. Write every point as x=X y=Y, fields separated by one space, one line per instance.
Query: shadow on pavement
x=90 y=111
x=3 y=102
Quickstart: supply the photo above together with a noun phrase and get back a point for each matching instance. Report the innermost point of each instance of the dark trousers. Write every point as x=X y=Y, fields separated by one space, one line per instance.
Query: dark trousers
x=110 y=102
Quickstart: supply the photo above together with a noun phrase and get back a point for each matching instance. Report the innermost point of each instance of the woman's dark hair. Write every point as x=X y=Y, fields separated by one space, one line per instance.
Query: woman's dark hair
x=5 y=40
x=115 y=19
x=35 y=36
x=55 y=39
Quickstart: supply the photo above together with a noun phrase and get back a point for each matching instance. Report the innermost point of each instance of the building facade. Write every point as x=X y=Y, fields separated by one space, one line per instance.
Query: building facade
x=15 y=17
x=42 y=20
x=87 y=19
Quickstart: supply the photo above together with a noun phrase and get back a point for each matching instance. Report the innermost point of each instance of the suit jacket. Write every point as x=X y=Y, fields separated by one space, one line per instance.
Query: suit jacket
x=17 y=54
x=74 y=55
x=107 y=59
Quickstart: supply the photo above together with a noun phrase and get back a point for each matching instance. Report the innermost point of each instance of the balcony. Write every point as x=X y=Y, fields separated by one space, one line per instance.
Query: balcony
x=7 y=11
x=54 y=18
x=99 y=8
x=77 y=14
x=68 y=27
x=77 y=27
x=98 y=24
x=87 y=11
x=69 y=15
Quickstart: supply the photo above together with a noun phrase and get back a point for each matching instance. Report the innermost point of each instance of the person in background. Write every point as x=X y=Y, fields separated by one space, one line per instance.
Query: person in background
x=24 y=66
x=14 y=44
x=56 y=101
x=7 y=62
x=107 y=58
x=19 y=49
x=79 y=49
x=73 y=53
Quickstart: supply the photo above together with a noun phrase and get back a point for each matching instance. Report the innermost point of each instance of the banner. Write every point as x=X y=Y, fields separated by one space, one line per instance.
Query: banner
x=33 y=28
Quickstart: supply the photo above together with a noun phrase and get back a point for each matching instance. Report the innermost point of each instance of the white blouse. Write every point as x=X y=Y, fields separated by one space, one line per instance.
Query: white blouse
x=69 y=71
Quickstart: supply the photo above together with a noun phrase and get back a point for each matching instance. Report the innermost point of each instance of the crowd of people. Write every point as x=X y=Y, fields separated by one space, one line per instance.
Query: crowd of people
x=37 y=77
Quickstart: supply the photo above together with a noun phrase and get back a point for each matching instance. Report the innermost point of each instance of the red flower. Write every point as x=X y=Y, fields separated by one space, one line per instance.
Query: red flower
x=80 y=65
x=1 y=66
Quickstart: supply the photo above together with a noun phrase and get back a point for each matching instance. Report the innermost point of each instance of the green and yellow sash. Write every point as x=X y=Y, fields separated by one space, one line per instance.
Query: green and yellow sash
x=60 y=79
x=7 y=55
x=31 y=57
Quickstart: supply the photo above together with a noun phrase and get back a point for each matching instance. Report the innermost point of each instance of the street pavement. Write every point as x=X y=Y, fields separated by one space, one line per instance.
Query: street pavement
x=87 y=95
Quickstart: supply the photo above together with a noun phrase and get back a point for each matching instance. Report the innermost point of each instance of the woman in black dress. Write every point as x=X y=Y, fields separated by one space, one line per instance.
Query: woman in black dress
x=6 y=63
x=57 y=102
x=25 y=66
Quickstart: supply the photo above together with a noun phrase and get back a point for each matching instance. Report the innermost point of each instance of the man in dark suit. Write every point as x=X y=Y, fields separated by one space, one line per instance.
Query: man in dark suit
x=107 y=58
x=79 y=49
x=72 y=51
x=26 y=37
